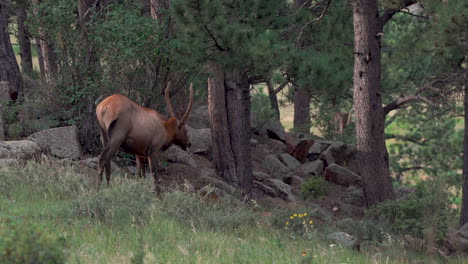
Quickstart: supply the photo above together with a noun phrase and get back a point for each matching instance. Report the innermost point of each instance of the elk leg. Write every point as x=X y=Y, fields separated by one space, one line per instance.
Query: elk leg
x=140 y=166
x=104 y=158
x=152 y=160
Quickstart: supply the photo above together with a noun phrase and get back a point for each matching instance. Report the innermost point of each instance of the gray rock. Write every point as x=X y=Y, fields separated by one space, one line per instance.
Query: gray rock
x=319 y=146
x=342 y=154
x=212 y=193
x=314 y=168
x=92 y=163
x=201 y=140
x=319 y=212
x=282 y=189
x=273 y=129
x=12 y=152
x=61 y=142
x=289 y=161
x=341 y=176
x=276 y=168
x=260 y=176
x=176 y=155
x=344 y=239
x=199 y=118
x=270 y=191
x=354 y=195
x=208 y=177
x=463 y=231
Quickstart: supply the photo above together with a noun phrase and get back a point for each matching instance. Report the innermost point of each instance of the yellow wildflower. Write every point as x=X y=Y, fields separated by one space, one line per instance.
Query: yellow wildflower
x=291 y=217
x=287 y=223
x=311 y=222
x=300 y=215
x=305 y=214
x=304 y=253
x=294 y=215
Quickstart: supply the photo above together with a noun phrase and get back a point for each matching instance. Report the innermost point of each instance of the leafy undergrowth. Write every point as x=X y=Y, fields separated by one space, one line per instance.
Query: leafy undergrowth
x=125 y=223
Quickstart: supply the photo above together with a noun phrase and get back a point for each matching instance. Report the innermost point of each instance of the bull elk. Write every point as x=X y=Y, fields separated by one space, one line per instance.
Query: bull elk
x=138 y=130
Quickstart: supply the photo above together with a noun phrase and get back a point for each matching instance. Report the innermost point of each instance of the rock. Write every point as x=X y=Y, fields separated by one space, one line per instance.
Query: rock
x=18 y=151
x=61 y=142
x=291 y=142
x=276 y=145
x=201 y=140
x=208 y=177
x=354 y=195
x=319 y=212
x=341 y=176
x=282 y=189
x=301 y=150
x=276 y=168
x=260 y=176
x=266 y=189
x=344 y=239
x=273 y=129
x=342 y=154
x=463 y=231
x=314 y=168
x=289 y=161
x=199 y=118
x=296 y=181
x=176 y=155
x=253 y=142
x=456 y=240
x=319 y=146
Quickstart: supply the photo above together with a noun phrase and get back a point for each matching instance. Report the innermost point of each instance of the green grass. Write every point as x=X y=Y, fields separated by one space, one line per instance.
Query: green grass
x=115 y=224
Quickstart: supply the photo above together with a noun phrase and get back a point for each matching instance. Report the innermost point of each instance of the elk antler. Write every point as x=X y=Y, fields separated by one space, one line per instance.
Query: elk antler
x=168 y=101
x=189 y=107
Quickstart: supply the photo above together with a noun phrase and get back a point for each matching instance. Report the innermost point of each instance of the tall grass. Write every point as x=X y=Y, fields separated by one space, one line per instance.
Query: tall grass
x=125 y=223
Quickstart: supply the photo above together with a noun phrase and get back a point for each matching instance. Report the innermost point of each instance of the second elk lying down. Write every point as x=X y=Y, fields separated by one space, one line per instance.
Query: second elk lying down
x=138 y=130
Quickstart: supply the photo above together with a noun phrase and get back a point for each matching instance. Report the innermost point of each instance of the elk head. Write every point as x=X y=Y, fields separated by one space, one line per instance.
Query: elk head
x=176 y=128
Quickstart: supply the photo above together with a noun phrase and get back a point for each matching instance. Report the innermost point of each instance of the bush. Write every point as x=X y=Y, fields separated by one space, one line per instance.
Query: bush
x=427 y=208
x=261 y=109
x=28 y=243
x=15 y=130
x=367 y=229
x=225 y=215
x=315 y=187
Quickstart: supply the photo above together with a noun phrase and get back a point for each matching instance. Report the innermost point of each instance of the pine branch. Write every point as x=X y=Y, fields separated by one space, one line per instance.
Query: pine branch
x=281 y=87
x=390 y=12
x=400 y=103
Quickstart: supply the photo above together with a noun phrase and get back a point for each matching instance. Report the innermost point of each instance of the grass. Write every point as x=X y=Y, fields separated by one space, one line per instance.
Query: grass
x=125 y=220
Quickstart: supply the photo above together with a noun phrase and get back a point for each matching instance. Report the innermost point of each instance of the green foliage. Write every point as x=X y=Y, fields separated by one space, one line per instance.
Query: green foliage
x=261 y=109
x=22 y=242
x=122 y=203
x=227 y=215
x=315 y=187
x=15 y=130
x=423 y=213
x=367 y=229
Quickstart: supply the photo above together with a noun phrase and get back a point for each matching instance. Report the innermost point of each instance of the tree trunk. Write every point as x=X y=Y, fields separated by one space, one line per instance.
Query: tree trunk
x=229 y=110
x=301 y=110
x=158 y=9
x=24 y=40
x=9 y=69
x=90 y=60
x=464 y=209
x=49 y=58
x=373 y=156
x=40 y=59
x=273 y=98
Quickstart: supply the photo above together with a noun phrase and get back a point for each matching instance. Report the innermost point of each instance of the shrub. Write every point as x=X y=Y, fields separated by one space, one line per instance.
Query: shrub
x=315 y=187
x=261 y=109
x=29 y=243
x=427 y=207
x=367 y=229
x=15 y=130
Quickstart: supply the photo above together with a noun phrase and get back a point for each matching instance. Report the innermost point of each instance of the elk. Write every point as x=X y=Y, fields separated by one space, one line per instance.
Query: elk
x=138 y=130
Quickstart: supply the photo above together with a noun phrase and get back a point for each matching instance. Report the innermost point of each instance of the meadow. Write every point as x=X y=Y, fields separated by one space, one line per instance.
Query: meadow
x=126 y=223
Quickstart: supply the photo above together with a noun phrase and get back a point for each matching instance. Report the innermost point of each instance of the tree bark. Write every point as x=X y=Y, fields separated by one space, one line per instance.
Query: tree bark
x=40 y=59
x=302 y=110
x=273 y=98
x=158 y=9
x=49 y=58
x=9 y=69
x=24 y=40
x=229 y=110
x=464 y=209
x=90 y=60
x=370 y=136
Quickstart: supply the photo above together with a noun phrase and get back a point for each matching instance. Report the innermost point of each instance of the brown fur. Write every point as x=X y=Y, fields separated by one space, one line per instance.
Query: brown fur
x=138 y=130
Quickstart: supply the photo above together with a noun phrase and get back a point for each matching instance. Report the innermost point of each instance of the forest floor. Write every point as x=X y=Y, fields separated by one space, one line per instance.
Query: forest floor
x=125 y=223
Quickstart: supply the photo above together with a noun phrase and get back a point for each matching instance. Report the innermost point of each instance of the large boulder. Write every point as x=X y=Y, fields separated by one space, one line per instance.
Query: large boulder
x=342 y=176
x=289 y=161
x=260 y=176
x=276 y=188
x=199 y=118
x=276 y=168
x=273 y=129
x=342 y=154
x=61 y=142
x=176 y=155
x=92 y=163
x=201 y=140
x=301 y=150
x=344 y=239
x=17 y=151
x=314 y=168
